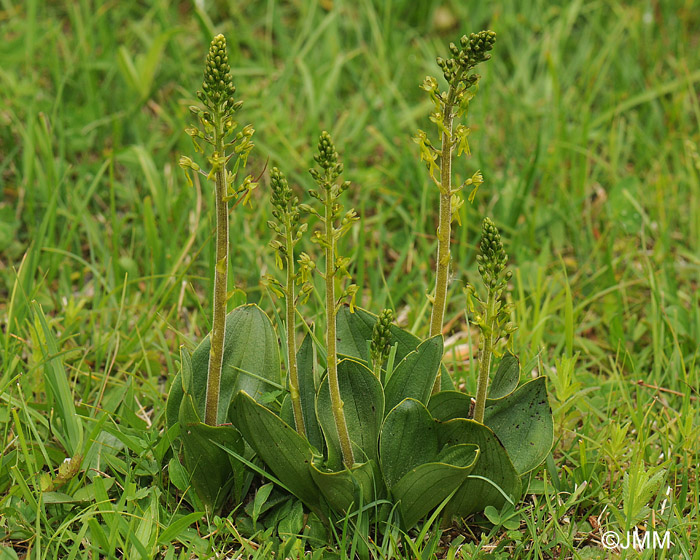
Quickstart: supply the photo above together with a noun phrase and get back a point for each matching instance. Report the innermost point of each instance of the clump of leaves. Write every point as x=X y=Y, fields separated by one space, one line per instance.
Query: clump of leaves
x=374 y=427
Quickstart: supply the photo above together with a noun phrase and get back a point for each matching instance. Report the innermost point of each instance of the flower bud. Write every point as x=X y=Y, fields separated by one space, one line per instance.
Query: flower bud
x=305 y=208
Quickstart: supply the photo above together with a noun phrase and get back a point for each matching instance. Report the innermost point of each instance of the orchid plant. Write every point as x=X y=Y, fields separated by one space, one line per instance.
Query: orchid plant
x=381 y=423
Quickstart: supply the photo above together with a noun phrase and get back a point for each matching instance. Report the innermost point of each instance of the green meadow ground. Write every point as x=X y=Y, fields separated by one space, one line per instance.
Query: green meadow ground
x=586 y=131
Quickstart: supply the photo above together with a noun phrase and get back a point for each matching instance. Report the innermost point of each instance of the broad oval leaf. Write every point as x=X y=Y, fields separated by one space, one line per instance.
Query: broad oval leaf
x=506 y=378
x=427 y=485
x=493 y=477
x=448 y=405
x=523 y=423
x=251 y=361
x=287 y=454
x=408 y=439
x=414 y=377
x=348 y=489
x=363 y=404
x=210 y=467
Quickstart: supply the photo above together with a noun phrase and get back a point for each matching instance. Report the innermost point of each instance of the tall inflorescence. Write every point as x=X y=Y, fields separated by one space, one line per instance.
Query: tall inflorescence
x=287 y=226
x=335 y=225
x=228 y=157
x=472 y=50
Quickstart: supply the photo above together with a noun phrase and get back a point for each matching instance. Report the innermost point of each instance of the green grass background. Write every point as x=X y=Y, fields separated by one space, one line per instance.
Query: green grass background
x=585 y=128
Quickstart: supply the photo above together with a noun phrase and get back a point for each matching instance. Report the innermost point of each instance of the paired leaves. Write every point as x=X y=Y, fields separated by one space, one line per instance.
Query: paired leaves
x=348 y=489
x=521 y=418
x=251 y=362
x=415 y=375
x=493 y=481
x=417 y=474
x=424 y=450
x=287 y=454
x=523 y=423
x=208 y=465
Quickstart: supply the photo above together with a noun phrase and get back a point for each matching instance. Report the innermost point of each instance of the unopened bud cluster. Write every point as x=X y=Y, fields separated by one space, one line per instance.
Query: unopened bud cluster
x=286 y=209
x=492 y=260
x=472 y=50
x=492 y=320
x=381 y=337
x=327 y=159
x=218 y=88
x=285 y=204
x=327 y=156
x=331 y=169
x=336 y=222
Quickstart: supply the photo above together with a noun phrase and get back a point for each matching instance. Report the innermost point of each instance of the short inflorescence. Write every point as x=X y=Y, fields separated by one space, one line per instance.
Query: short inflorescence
x=327 y=156
x=284 y=201
x=327 y=159
x=491 y=263
x=381 y=336
x=492 y=260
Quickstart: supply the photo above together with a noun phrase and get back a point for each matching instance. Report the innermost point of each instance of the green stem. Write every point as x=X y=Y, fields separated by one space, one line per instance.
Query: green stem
x=377 y=369
x=444 y=231
x=218 y=331
x=291 y=338
x=485 y=358
x=336 y=402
